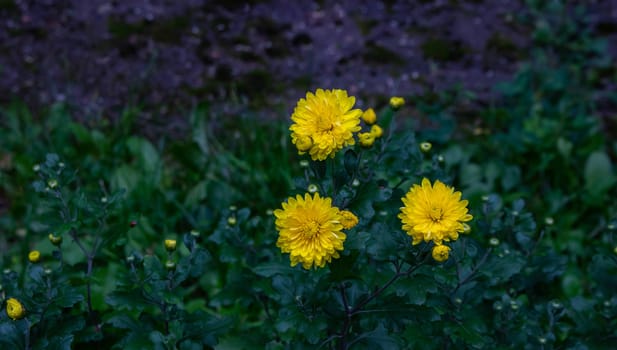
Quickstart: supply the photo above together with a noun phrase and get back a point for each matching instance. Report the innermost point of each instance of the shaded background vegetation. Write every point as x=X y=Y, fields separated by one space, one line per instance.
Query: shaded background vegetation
x=185 y=106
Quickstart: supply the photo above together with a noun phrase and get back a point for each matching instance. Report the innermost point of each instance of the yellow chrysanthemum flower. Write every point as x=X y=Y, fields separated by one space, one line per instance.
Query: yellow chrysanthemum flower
x=440 y=253
x=397 y=102
x=348 y=219
x=366 y=139
x=34 y=256
x=369 y=116
x=14 y=309
x=433 y=213
x=376 y=131
x=324 y=123
x=309 y=230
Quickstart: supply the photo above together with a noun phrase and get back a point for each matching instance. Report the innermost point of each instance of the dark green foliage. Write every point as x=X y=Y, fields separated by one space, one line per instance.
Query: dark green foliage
x=537 y=270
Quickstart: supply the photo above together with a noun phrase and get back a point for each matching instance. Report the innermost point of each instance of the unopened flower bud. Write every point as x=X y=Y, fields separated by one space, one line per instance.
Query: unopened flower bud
x=233 y=208
x=366 y=139
x=497 y=306
x=376 y=131
x=304 y=163
x=542 y=340
x=269 y=212
x=396 y=102
x=103 y=200
x=170 y=245
x=194 y=233
x=493 y=241
x=61 y=165
x=304 y=143
x=348 y=219
x=441 y=159
x=130 y=259
x=47 y=272
x=170 y=265
x=52 y=183
x=549 y=221
x=312 y=188
x=426 y=147
x=513 y=305
x=231 y=221
x=355 y=183
x=55 y=240
x=440 y=253
x=36 y=168
x=369 y=116
x=34 y=256
x=14 y=309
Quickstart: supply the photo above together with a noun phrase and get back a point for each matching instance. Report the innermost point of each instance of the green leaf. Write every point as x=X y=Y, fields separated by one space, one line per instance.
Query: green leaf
x=415 y=288
x=598 y=172
x=68 y=296
x=146 y=152
x=272 y=268
x=378 y=339
x=350 y=161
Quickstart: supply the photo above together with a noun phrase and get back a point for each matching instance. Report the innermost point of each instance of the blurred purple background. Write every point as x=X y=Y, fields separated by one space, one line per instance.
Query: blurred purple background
x=166 y=56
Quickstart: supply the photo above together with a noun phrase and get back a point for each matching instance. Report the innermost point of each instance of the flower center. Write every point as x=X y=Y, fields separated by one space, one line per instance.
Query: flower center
x=327 y=123
x=436 y=214
x=310 y=228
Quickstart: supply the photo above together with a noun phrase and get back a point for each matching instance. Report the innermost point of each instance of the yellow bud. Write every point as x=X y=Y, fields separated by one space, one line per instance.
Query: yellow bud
x=366 y=139
x=231 y=221
x=303 y=143
x=52 y=183
x=34 y=256
x=170 y=245
x=369 y=116
x=426 y=147
x=376 y=131
x=397 y=102
x=440 y=253
x=14 y=309
x=348 y=219
x=55 y=240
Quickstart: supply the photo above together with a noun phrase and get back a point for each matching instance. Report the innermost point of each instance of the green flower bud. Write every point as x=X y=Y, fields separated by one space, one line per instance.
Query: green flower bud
x=55 y=240
x=426 y=147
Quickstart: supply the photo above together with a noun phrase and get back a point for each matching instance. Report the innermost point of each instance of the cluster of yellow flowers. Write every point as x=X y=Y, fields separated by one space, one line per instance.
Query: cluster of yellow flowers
x=310 y=227
x=434 y=213
x=324 y=123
